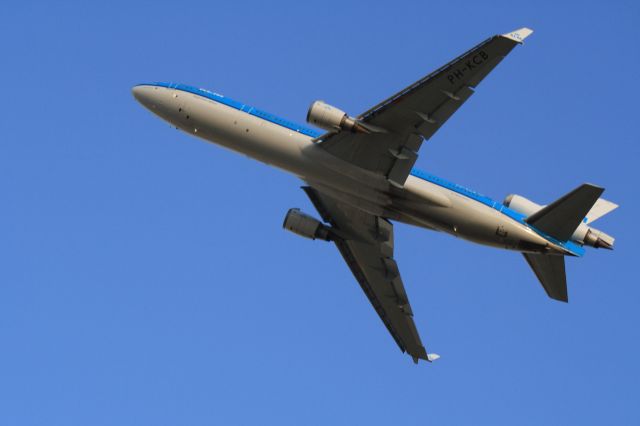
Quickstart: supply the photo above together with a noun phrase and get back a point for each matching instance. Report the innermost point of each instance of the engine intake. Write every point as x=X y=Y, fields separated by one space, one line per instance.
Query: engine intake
x=333 y=119
x=306 y=226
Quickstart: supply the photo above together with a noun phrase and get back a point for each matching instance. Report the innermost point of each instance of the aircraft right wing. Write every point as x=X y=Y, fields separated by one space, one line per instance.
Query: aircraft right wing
x=399 y=124
x=366 y=244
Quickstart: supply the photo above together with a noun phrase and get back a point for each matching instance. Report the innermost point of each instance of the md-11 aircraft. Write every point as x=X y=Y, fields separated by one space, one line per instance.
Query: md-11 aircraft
x=359 y=174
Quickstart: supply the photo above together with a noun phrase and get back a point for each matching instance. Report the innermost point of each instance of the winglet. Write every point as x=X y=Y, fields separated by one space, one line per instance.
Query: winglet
x=432 y=357
x=518 y=35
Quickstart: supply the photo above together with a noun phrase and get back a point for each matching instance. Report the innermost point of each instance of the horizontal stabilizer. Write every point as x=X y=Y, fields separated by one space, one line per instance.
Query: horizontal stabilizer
x=550 y=271
x=561 y=218
x=599 y=209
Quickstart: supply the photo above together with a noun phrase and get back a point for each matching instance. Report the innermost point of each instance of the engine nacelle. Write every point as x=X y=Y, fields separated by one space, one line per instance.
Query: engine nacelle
x=584 y=234
x=521 y=205
x=333 y=119
x=598 y=239
x=305 y=225
x=593 y=237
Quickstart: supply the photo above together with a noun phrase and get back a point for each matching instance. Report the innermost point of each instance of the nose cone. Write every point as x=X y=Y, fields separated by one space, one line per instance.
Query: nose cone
x=144 y=94
x=160 y=99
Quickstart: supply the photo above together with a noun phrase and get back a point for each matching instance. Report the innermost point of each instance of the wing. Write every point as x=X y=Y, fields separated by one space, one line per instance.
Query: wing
x=398 y=125
x=366 y=244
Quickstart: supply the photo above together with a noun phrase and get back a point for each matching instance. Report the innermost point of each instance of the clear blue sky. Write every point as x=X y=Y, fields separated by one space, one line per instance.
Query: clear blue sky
x=145 y=278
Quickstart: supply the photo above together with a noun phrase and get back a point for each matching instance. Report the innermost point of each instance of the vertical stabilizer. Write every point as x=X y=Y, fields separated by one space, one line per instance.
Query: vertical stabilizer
x=550 y=271
x=561 y=218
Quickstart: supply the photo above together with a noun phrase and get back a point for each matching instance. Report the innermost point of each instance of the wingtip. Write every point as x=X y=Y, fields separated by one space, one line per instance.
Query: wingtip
x=518 y=35
x=432 y=357
x=429 y=358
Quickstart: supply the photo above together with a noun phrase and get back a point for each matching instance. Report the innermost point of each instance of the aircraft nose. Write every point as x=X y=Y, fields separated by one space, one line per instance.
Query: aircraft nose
x=144 y=94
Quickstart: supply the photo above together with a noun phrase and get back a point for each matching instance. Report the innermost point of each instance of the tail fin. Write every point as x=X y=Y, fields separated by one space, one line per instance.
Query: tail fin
x=561 y=218
x=550 y=271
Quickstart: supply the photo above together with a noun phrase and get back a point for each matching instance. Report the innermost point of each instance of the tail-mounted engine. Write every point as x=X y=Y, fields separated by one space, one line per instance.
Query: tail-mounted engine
x=305 y=225
x=584 y=234
x=521 y=205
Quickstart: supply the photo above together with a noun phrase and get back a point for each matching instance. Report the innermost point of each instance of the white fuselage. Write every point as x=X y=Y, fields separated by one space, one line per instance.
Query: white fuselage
x=430 y=203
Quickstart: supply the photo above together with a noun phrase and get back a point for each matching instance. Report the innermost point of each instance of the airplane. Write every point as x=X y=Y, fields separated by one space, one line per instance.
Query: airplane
x=359 y=174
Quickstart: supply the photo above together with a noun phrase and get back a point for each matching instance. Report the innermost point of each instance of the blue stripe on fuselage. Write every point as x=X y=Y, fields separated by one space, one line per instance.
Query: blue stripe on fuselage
x=240 y=106
x=496 y=205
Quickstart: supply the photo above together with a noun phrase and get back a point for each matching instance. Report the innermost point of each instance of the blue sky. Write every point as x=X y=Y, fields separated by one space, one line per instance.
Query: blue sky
x=145 y=278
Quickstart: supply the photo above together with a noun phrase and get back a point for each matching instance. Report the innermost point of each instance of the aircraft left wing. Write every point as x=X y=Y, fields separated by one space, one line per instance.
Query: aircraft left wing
x=366 y=244
x=394 y=129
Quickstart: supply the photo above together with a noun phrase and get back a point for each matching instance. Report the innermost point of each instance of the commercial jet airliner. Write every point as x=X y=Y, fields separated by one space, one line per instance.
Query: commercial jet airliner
x=359 y=174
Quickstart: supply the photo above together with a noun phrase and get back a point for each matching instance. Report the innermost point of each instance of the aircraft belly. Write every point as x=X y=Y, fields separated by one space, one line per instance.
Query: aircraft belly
x=466 y=218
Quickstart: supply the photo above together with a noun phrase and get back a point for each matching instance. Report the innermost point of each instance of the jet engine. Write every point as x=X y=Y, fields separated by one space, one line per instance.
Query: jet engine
x=596 y=238
x=584 y=234
x=333 y=119
x=521 y=205
x=306 y=226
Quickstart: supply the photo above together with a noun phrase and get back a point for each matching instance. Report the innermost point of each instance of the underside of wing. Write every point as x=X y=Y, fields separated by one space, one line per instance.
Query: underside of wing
x=366 y=244
x=415 y=113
